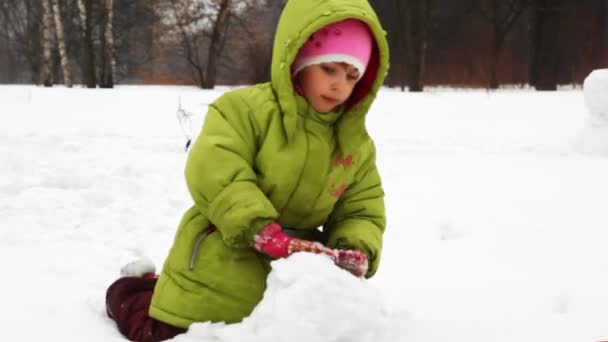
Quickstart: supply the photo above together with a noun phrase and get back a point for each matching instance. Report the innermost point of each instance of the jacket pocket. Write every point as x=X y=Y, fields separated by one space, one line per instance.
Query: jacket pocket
x=197 y=245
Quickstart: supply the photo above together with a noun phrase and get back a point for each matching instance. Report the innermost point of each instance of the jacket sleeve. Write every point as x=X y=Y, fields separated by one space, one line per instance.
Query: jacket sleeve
x=220 y=173
x=358 y=219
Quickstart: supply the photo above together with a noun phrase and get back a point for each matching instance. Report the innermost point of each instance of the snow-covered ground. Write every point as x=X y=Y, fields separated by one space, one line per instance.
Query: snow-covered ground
x=497 y=224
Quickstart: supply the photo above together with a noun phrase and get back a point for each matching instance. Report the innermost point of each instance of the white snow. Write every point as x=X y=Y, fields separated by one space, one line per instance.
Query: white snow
x=496 y=219
x=307 y=299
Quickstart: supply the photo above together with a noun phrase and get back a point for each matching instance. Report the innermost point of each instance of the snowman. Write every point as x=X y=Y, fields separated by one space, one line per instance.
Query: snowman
x=595 y=91
x=593 y=139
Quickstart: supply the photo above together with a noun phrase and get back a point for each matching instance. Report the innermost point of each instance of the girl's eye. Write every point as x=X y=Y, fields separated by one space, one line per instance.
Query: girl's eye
x=328 y=69
x=352 y=77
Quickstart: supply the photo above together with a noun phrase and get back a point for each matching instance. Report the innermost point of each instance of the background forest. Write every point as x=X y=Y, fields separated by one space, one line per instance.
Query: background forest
x=456 y=43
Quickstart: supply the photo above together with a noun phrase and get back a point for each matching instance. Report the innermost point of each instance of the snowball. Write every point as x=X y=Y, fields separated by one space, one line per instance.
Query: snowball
x=138 y=268
x=595 y=90
x=593 y=139
x=307 y=299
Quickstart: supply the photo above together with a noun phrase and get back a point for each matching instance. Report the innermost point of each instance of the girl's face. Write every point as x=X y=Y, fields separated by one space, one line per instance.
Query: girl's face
x=327 y=85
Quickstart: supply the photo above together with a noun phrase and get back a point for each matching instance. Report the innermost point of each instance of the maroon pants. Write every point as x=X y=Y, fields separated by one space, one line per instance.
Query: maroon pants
x=127 y=303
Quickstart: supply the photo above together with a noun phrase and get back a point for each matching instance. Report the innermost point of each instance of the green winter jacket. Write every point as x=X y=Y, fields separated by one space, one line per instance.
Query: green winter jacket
x=265 y=155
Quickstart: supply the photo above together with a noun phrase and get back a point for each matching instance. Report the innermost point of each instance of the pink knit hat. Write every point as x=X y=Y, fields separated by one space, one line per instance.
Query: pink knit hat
x=348 y=41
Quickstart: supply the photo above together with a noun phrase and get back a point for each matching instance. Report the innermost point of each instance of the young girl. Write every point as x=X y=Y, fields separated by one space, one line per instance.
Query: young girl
x=273 y=163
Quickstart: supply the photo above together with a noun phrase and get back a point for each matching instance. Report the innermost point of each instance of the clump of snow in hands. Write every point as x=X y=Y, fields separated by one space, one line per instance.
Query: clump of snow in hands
x=307 y=299
x=594 y=138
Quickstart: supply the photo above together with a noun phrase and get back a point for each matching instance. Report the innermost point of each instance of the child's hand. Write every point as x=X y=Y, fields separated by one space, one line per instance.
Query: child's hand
x=353 y=261
x=272 y=241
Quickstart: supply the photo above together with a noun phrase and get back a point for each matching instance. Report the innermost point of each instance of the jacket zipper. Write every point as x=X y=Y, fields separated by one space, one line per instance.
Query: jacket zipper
x=197 y=245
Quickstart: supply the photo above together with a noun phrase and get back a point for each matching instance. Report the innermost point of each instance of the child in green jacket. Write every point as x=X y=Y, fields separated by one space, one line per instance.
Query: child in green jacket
x=278 y=168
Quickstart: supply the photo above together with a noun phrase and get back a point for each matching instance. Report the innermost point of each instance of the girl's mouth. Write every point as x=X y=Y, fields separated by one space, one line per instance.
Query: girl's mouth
x=329 y=99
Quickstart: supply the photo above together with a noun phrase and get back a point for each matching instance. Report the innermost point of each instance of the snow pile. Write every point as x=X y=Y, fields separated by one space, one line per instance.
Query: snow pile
x=307 y=299
x=594 y=138
x=596 y=96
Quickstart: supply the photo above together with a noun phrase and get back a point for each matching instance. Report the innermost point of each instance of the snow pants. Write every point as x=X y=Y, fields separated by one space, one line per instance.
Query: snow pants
x=127 y=303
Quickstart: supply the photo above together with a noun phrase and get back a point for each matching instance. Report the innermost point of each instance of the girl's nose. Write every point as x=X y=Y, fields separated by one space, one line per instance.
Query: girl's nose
x=337 y=83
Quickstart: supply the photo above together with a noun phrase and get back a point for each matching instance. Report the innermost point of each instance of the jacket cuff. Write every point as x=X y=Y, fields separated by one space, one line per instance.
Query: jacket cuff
x=239 y=212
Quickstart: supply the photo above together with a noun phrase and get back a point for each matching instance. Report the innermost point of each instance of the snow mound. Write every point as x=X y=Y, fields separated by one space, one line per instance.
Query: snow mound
x=595 y=91
x=307 y=299
x=593 y=139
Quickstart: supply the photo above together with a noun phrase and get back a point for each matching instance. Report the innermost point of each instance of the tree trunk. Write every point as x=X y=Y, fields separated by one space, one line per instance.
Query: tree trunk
x=109 y=46
x=102 y=65
x=417 y=20
x=32 y=48
x=10 y=68
x=46 y=44
x=604 y=38
x=605 y=35
x=601 y=8
x=88 y=56
x=201 y=77
x=67 y=75
x=215 y=47
x=401 y=41
x=546 y=27
x=501 y=26
x=535 y=35
x=495 y=47
x=83 y=19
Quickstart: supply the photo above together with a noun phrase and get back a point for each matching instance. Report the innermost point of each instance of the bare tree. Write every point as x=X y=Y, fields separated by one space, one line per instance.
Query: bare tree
x=88 y=55
x=6 y=46
x=603 y=10
x=217 y=43
x=416 y=40
x=197 y=23
x=501 y=14
x=545 y=30
x=392 y=14
x=408 y=24
x=133 y=26
x=251 y=36
x=21 y=43
x=67 y=75
x=110 y=65
x=398 y=40
x=25 y=31
x=46 y=44
x=596 y=39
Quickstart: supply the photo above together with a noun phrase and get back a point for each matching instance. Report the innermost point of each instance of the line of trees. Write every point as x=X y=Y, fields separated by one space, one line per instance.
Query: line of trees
x=66 y=41
x=470 y=43
x=201 y=29
x=486 y=43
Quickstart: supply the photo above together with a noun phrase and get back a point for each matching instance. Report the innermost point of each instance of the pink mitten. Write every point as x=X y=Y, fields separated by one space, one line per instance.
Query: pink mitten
x=353 y=261
x=272 y=241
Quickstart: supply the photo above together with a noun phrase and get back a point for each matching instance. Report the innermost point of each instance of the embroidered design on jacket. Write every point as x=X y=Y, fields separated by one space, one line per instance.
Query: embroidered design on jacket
x=346 y=162
x=337 y=191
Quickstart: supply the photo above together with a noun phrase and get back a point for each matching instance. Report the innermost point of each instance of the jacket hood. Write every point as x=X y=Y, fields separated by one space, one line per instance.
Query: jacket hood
x=300 y=19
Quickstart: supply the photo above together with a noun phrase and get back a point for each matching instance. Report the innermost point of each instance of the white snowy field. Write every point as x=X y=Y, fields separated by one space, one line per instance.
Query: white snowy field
x=497 y=225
